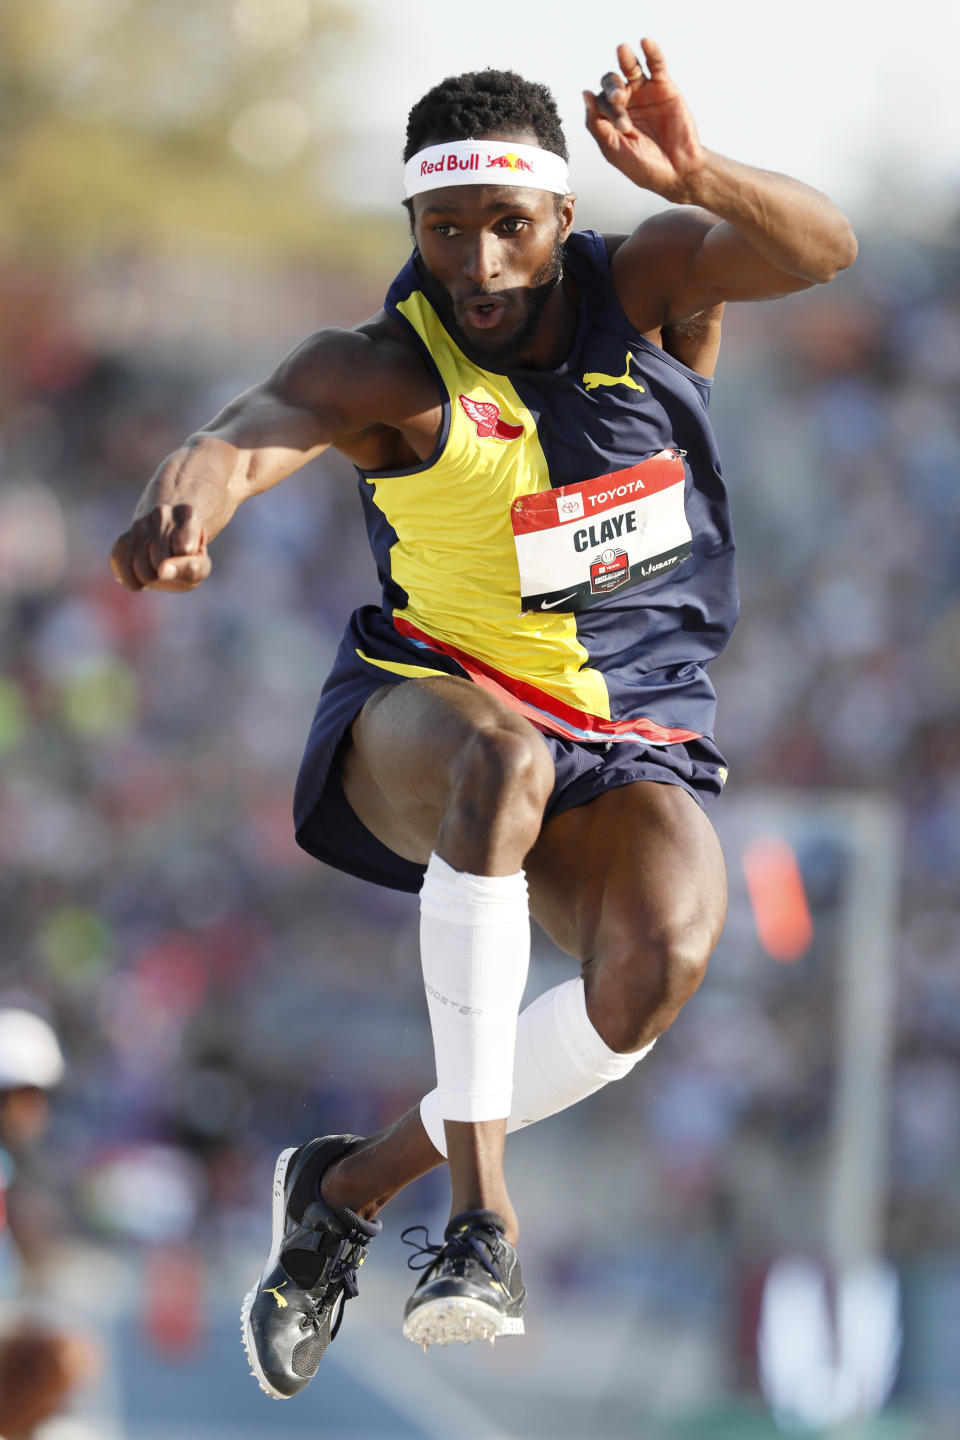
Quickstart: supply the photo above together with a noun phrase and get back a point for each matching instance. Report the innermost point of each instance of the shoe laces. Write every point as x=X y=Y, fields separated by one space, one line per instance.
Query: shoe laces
x=343 y=1272
x=459 y=1246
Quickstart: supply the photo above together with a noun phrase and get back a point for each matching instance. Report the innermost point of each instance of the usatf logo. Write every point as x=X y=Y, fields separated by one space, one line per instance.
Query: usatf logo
x=486 y=416
x=509 y=162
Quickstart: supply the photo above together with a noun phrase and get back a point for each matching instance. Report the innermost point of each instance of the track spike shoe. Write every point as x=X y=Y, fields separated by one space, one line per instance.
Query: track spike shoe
x=471 y=1287
x=310 y=1273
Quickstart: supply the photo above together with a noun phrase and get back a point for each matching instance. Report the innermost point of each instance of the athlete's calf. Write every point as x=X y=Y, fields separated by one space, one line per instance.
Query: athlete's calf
x=634 y=885
x=638 y=980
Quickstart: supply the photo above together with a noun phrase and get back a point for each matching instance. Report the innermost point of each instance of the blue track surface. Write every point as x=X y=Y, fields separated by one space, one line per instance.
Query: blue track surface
x=211 y=1395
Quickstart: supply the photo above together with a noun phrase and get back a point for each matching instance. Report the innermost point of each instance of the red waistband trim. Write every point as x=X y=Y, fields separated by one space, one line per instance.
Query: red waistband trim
x=542 y=709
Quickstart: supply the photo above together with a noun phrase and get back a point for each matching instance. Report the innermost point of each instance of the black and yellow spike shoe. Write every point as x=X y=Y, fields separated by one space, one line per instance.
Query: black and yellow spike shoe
x=311 y=1271
x=471 y=1287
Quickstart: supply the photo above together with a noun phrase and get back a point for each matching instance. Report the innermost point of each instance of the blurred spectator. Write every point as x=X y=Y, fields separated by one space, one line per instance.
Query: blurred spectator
x=39 y=1371
x=40 y=1367
x=31 y=1064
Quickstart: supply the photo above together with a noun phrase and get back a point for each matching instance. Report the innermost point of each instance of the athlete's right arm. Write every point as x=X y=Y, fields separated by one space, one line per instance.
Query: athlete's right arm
x=335 y=384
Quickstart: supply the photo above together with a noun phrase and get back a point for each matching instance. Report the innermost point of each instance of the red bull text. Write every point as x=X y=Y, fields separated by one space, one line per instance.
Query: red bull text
x=449 y=162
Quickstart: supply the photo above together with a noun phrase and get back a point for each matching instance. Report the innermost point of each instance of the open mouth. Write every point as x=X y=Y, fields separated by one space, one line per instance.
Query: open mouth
x=484 y=312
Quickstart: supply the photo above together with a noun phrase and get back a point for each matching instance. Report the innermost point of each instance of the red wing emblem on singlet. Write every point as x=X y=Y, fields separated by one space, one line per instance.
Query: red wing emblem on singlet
x=486 y=416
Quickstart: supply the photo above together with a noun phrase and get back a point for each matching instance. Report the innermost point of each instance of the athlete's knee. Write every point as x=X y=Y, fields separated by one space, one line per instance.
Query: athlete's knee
x=641 y=979
x=503 y=769
x=678 y=957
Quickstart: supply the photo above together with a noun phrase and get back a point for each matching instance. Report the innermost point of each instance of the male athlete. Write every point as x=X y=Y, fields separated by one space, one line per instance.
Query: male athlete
x=525 y=723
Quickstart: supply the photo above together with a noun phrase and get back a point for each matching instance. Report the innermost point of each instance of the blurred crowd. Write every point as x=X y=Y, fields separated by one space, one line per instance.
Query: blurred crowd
x=217 y=994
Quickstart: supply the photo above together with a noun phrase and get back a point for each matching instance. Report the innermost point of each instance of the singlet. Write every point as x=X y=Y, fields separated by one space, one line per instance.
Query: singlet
x=568 y=542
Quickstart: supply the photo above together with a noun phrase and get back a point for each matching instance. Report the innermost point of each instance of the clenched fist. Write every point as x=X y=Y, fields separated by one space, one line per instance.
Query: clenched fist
x=164 y=549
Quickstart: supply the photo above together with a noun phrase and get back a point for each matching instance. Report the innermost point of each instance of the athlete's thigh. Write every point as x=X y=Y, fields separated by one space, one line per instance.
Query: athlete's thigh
x=642 y=861
x=398 y=765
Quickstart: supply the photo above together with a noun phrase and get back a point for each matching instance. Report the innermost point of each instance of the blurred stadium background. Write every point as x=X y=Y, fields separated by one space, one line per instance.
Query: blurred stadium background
x=177 y=214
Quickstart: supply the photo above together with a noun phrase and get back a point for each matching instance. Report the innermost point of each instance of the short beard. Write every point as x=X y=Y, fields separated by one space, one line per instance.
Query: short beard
x=541 y=287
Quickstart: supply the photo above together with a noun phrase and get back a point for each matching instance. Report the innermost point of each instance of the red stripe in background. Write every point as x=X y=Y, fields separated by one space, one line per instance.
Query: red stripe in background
x=778 y=898
x=529 y=701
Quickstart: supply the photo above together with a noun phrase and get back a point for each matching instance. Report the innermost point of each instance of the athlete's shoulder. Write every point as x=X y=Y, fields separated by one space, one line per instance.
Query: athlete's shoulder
x=651 y=266
x=670 y=237
x=649 y=269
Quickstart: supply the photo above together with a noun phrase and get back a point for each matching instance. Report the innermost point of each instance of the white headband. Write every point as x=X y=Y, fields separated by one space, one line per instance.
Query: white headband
x=485 y=162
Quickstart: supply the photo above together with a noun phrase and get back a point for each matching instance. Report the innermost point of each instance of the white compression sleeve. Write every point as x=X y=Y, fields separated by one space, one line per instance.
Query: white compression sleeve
x=475 y=953
x=560 y=1059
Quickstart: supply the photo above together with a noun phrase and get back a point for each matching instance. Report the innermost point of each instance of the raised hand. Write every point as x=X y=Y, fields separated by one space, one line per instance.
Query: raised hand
x=642 y=124
x=164 y=549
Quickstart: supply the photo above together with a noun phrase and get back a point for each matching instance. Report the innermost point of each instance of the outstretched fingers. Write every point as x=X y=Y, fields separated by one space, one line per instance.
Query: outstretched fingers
x=609 y=105
x=632 y=68
x=656 y=62
x=597 y=121
x=617 y=97
x=619 y=89
x=642 y=124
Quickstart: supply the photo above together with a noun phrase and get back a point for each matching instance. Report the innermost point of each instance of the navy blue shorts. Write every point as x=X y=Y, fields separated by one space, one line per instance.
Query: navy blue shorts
x=326 y=826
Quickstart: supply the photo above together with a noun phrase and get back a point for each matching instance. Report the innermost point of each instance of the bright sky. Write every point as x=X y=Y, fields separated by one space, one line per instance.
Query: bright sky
x=859 y=97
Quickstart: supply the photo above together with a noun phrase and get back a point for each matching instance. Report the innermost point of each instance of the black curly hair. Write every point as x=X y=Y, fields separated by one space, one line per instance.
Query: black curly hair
x=483 y=102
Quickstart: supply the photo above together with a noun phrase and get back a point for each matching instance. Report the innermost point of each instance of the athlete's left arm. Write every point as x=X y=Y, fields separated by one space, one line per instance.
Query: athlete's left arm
x=755 y=235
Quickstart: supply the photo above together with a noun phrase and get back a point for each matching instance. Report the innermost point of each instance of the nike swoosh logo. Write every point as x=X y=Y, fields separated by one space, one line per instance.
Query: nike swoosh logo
x=552 y=604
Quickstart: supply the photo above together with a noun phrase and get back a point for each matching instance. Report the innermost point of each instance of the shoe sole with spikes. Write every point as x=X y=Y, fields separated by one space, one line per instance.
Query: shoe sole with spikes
x=456 y=1320
x=470 y=1289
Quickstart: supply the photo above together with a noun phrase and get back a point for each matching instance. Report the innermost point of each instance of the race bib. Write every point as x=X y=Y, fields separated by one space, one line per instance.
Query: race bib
x=579 y=543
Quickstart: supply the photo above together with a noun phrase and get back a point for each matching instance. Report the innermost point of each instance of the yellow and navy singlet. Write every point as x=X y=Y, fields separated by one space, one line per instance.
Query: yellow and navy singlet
x=567 y=545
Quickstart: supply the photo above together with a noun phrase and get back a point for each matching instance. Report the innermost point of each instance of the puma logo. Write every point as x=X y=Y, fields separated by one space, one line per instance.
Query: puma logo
x=280 y=1299
x=595 y=378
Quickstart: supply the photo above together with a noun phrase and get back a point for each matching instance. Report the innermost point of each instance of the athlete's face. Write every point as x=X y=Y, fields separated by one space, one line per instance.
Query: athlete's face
x=492 y=258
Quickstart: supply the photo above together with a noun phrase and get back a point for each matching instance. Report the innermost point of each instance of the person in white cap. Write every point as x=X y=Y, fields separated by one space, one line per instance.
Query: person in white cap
x=31 y=1065
x=525 y=722
x=41 y=1365
x=30 y=1054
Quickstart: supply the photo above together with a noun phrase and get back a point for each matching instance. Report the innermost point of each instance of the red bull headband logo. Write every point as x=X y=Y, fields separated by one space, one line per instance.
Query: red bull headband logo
x=485 y=162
